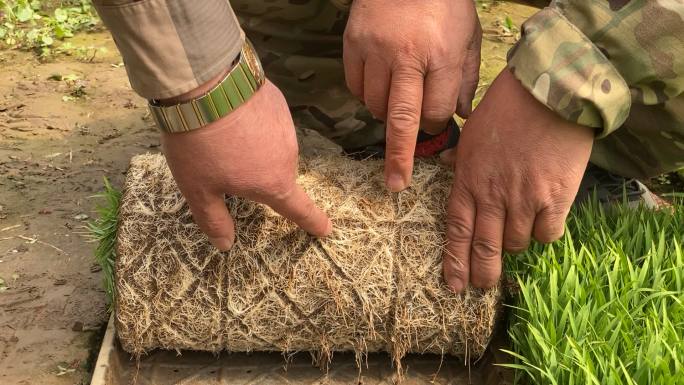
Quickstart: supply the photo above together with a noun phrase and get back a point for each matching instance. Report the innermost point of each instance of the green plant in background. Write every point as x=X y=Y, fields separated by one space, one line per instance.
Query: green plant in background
x=37 y=25
x=103 y=231
x=509 y=25
x=605 y=304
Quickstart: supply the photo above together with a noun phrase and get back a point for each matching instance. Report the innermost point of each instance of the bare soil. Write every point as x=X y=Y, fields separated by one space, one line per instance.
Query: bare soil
x=54 y=154
x=53 y=157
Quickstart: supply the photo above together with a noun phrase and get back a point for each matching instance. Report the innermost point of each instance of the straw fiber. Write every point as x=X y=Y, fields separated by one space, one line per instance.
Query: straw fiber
x=374 y=285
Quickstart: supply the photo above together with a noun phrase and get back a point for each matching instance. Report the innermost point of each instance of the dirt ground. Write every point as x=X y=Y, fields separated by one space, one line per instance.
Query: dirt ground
x=53 y=157
x=55 y=149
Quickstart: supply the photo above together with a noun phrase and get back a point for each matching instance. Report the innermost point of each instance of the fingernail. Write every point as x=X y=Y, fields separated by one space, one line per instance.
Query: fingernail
x=395 y=183
x=223 y=244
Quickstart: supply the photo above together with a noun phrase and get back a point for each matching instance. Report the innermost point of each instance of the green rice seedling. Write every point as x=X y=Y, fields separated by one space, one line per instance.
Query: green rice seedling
x=103 y=231
x=604 y=304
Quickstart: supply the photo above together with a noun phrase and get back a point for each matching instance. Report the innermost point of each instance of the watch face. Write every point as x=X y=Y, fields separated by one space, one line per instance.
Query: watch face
x=253 y=62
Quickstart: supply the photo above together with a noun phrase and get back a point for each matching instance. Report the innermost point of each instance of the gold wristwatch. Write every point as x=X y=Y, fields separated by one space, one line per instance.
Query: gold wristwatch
x=243 y=80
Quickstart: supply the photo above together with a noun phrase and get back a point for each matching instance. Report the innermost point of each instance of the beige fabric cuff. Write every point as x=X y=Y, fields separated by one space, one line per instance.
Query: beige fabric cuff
x=170 y=47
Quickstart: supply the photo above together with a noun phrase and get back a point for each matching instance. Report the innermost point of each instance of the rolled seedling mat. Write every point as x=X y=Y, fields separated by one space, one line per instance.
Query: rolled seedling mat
x=374 y=285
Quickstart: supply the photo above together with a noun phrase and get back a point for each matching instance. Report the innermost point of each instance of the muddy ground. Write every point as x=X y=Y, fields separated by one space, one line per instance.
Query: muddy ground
x=58 y=139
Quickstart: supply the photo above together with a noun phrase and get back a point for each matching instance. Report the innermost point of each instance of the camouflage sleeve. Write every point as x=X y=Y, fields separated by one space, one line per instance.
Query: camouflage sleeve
x=171 y=47
x=591 y=60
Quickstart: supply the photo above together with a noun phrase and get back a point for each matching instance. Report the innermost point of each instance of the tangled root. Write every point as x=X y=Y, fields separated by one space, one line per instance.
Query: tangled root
x=374 y=285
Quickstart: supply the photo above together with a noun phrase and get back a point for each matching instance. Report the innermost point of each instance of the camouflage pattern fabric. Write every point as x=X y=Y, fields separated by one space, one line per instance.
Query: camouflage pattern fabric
x=615 y=65
x=300 y=46
x=604 y=64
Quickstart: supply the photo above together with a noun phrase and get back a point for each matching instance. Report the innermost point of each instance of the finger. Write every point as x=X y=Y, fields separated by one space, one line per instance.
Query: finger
x=211 y=215
x=376 y=87
x=459 y=234
x=518 y=230
x=485 y=258
x=471 y=75
x=403 y=118
x=439 y=100
x=300 y=209
x=353 y=71
x=549 y=225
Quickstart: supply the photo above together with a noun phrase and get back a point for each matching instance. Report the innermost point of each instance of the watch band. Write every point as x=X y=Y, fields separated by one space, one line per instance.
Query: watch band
x=243 y=80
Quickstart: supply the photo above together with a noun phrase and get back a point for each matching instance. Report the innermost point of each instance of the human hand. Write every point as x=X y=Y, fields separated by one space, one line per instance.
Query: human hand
x=518 y=166
x=413 y=63
x=251 y=153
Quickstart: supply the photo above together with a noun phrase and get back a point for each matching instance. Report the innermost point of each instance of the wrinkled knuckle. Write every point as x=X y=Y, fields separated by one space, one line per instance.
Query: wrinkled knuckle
x=558 y=212
x=351 y=36
x=280 y=194
x=486 y=250
x=407 y=50
x=458 y=230
x=548 y=201
x=404 y=115
x=555 y=197
x=491 y=207
x=453 y=267
x=279 y=189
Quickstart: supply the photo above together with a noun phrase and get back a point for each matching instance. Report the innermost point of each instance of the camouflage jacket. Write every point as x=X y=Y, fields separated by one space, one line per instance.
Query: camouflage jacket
x=588 y=60
x=591 y=60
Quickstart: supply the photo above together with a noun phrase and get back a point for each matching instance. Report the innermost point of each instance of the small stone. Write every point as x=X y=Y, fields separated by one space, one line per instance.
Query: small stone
x=350 y=124
x=81 y=217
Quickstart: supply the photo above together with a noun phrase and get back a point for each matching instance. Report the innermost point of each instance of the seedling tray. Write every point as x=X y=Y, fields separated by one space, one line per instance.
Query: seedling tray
x=116 y=367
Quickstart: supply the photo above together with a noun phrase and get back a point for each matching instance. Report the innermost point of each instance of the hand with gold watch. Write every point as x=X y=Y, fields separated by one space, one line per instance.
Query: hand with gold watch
x=234 y=135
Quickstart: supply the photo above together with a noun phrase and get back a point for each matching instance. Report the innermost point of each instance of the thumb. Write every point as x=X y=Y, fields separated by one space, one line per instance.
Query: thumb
x=299 y=208
x=212 y=216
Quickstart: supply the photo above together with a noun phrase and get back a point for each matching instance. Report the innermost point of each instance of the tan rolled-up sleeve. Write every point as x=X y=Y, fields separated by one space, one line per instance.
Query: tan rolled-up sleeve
x=170 y=47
